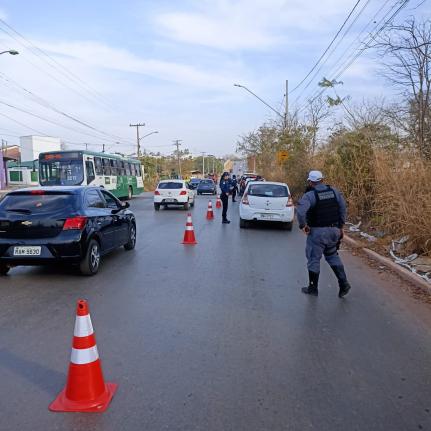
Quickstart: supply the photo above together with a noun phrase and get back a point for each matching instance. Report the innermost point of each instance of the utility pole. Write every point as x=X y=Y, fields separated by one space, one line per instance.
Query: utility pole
x=103 y=148
x=138 y=148
x=177 y=144
x=286 y=111
x=203 y=163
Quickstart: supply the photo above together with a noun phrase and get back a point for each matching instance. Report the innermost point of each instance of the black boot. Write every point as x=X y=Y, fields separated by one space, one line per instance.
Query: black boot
x=313 y=283
x=342 y=280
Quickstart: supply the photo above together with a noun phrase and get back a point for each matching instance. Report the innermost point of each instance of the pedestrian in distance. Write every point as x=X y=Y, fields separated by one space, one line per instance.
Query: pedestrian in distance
x=225 y=187
x=321 y=214
x=234 y=185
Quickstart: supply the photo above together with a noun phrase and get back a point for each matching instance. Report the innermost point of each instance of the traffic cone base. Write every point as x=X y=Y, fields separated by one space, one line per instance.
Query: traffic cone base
x=85 y=390
x=189 y=233
x=99 y=404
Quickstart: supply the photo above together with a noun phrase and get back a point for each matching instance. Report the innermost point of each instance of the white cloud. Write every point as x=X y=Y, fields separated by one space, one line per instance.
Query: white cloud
x=247 y=24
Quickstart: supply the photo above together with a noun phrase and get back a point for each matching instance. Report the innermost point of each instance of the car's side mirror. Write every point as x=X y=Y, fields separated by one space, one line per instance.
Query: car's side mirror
x=125 y=205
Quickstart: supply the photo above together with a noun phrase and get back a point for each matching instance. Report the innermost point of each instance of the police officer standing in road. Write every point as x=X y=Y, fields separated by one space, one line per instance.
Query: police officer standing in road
x=234 y=186
x=225 y=186
x=321 y=215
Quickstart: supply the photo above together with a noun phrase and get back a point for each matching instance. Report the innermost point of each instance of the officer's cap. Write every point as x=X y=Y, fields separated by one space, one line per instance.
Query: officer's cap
x=315 y=176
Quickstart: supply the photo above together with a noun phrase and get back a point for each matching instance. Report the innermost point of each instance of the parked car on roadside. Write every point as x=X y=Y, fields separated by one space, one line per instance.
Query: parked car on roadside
x=207 y=187
x=76 y=225
x=173 y=192
x=266 y=201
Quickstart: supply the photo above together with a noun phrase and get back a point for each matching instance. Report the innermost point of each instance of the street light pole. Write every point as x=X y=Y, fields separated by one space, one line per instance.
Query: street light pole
x=203 y=163
x=177 y=144
x=138 y=149
x=10 y=51
x=286 y=111
x=148 y=134
x=283 y=116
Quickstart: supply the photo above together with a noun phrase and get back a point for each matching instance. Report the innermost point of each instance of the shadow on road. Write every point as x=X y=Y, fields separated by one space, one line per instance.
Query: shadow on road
x=48 y=380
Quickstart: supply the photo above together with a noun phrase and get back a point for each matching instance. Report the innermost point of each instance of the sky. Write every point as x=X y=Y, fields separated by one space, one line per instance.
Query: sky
x=172 y=66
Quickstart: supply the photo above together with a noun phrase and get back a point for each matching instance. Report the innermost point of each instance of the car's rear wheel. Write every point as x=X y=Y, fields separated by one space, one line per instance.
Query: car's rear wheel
x=187 y=206
x=243 y=223
x=287 y=226
x=91 y=262
x=4 y=269
x=157 y=207
x=130 y=193
x=192 y=203
x=130 y=245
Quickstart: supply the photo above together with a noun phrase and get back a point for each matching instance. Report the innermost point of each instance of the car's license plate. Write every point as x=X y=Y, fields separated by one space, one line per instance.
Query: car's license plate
x=267 y=216
x=170 y=200
x=27 y=251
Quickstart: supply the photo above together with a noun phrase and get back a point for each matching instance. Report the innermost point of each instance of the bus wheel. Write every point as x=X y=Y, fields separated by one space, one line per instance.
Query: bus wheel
x=130 y=193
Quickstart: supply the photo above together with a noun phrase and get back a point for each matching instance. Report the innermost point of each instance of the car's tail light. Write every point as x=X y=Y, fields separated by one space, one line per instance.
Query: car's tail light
x=183 y=192
x=37 y=192
x=157 y=193
x=245 y=200
x=75 y=223
x=289 y=202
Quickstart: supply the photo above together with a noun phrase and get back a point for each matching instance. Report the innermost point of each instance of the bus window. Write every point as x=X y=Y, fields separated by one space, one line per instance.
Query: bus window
x=106 y=167
x=113 y=164
x=138 y=171
x=122 y=168
x=99 y=166
x=89 y=167
x=133 y=167
x=128 y=169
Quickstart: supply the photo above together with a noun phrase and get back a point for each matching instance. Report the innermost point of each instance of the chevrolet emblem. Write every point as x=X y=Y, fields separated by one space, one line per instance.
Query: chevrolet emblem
x=27 y=223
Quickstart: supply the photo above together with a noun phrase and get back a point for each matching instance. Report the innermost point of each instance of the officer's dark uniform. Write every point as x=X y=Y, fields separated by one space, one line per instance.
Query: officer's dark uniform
x=225 y=187
x=323 y=209
x=234 y=185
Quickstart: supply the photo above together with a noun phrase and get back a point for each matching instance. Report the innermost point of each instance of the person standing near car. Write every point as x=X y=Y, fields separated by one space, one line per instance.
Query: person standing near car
x=225 y=186
x=321 y=214
x=234 y=186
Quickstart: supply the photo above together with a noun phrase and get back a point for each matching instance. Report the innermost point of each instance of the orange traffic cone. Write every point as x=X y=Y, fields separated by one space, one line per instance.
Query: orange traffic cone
x=86 y=390
x=210 y=214
x=218 y=202
x=189 y=234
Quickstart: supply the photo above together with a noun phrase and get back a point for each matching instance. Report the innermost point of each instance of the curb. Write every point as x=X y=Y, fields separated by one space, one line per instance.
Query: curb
x=402 y=272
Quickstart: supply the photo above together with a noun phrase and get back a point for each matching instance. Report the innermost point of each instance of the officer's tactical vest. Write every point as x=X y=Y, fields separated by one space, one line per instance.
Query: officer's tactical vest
x=326 y=212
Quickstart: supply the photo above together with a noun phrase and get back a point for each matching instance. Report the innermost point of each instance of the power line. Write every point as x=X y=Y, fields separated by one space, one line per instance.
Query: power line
x=53 y=63
x=365 y=42
x=327 y=49
x=43 y=102
x=334 y=49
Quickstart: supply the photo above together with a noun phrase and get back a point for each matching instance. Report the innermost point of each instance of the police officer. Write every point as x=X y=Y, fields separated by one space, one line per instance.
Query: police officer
x=234 y=187
x=321 y=215
x=225 y=186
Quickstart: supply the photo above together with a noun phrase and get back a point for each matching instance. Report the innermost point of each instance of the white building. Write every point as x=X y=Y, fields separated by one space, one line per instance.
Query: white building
x=32 y=146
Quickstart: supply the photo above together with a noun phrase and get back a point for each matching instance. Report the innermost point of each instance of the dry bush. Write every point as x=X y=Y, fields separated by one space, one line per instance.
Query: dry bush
x=403 y=198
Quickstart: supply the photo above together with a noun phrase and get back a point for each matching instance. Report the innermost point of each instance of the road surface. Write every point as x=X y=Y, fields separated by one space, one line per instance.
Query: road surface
x=218 y=337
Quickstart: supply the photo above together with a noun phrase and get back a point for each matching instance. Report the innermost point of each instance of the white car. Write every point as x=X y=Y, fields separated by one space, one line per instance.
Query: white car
x=266 y=201
x=173 y=192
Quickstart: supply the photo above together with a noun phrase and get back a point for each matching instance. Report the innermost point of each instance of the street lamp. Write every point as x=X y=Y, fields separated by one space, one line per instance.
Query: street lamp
x=283 y=116
x=10 y=51
x=148 y=134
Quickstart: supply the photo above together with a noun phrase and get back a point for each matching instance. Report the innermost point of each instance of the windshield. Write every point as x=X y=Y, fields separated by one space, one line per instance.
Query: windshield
x=64 y=172
x=268 y=190
x=195 y=180
x=170 y=185
x=28 y=203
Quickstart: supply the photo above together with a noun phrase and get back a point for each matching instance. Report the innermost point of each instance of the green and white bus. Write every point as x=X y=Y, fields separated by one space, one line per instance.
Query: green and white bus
x=122 y=176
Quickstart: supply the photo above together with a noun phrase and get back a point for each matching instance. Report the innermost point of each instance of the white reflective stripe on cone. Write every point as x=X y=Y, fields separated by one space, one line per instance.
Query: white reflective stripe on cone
x=83 y=326
x=189 y=219
x=84 y=356
x=189 y=228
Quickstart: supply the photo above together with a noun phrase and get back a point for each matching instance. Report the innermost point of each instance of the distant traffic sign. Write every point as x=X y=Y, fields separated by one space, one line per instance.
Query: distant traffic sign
x=282 y=156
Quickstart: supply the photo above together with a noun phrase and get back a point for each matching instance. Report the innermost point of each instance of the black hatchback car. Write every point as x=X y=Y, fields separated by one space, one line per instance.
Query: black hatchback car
x=77 y=225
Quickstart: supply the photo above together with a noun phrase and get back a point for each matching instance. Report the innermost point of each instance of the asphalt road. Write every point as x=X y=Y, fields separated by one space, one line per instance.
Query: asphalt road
x=218 y=337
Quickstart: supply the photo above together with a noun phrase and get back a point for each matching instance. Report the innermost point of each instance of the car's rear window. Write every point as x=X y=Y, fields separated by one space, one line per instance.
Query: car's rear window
x=27 y=203
x=195 y=180
x=268 y=190
x=211 y=182
x=170 y=185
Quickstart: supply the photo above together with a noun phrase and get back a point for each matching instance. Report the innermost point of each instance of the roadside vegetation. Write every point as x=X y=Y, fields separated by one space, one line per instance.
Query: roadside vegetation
x=377 y=152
